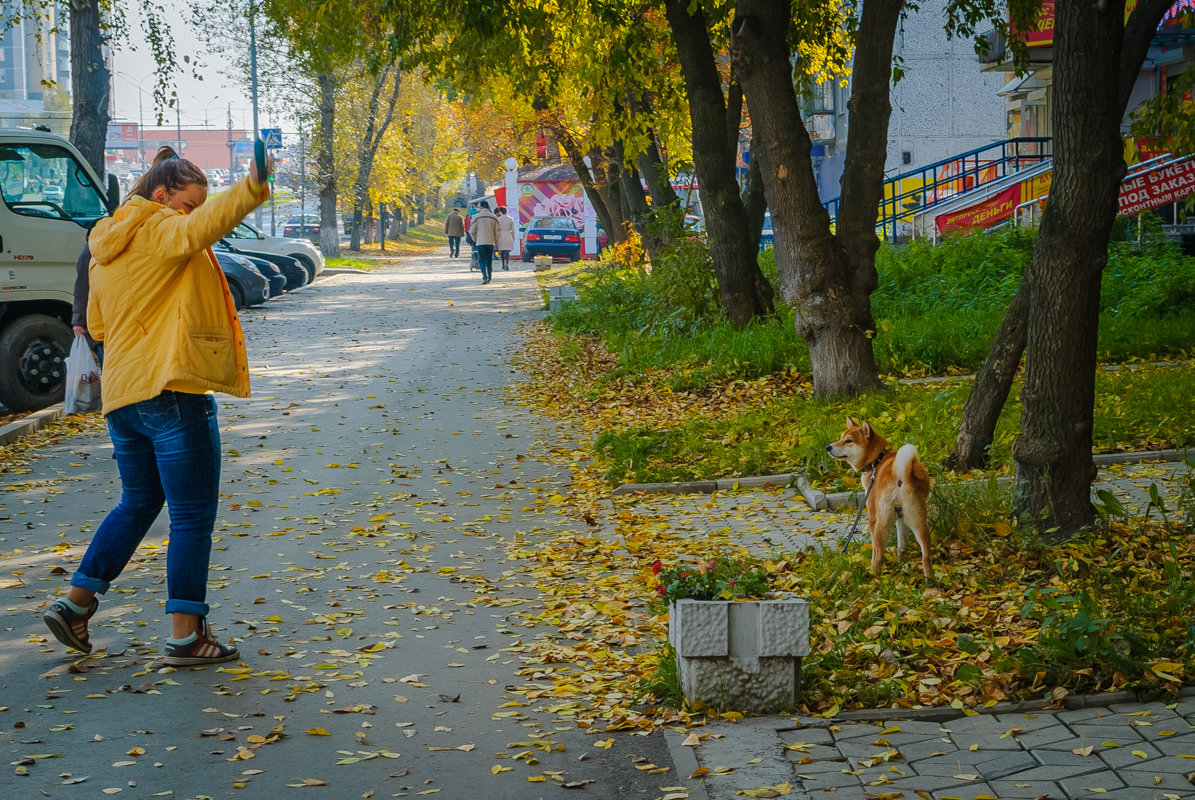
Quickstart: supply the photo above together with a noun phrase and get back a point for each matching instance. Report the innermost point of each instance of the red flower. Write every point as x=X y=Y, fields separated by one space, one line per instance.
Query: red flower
x=656 y=567
x=659 y=590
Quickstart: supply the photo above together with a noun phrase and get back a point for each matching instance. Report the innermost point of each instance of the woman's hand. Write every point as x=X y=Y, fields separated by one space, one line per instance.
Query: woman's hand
x=79 y=330
x=261 y=179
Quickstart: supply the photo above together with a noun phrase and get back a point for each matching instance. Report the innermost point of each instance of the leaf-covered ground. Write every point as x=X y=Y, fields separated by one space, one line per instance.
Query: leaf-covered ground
x=1007 y=616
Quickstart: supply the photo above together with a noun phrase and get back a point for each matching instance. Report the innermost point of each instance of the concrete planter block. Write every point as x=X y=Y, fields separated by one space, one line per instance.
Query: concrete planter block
x=559 y=296
x=740 y=655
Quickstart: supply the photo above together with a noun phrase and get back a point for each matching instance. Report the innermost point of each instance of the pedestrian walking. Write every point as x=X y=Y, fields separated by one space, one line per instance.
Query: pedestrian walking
x=454 y=229
x=506 y=236
x=483 y=227
x=161 y=305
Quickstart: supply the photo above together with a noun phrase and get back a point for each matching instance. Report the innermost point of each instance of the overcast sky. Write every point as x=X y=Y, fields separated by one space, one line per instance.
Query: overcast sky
x=201 y=101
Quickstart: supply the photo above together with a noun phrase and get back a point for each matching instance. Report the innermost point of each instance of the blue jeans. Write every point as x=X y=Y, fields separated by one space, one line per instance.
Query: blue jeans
x=167 y=450
x=485 y=259
x=454 y=246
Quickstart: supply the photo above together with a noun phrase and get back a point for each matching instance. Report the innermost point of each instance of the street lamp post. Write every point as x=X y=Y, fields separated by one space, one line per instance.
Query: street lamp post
x=140 y=111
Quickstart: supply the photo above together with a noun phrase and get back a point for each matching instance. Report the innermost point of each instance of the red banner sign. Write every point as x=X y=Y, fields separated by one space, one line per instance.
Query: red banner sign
x=983 y=214
x=1157 y=187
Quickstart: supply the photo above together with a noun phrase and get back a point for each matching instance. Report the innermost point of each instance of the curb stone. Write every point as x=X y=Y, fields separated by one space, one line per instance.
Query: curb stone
x=947 y=713
x=839 y=499
x=30 y=423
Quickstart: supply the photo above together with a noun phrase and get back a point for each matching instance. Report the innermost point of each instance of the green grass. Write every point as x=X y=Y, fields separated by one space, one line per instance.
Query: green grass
x=1134 y=409
x=936 y=310
x=351 y=262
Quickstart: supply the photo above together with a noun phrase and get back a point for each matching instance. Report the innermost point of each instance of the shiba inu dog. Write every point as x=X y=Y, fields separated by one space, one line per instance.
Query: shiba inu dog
x=897 y=486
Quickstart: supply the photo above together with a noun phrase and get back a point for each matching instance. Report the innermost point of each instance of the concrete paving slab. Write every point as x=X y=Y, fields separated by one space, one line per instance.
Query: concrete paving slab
x=1006 y=765
x=932 y=783
x=819 y=767
x=916 y=726
x=1050 y=735
x=1103 y=732
x=1128 y=793
x=1017 y=789
x=968 y=792
x=815 y=753
x=857 y=730
x=1169 y=781
x=1167 y=764
x=1082 y=714
x=1155 y=710
x=927 y=748
x=1098 y=742
x=1066 y=758
x=1058 y=773
x=1082 y=785
x=1118 y=757
x=1178 y=745
x=961 y=761
x=806 y=734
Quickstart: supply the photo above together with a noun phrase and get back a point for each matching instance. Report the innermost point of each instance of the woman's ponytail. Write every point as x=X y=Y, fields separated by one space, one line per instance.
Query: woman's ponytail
x=169 y=171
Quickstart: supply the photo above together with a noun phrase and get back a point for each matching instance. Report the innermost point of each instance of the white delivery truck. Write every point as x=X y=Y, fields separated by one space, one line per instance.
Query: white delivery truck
x=51 y=197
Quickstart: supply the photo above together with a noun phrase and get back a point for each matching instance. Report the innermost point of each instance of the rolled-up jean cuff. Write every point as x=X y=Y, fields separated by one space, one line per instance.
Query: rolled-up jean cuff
x=174 y=606
x=90 y=584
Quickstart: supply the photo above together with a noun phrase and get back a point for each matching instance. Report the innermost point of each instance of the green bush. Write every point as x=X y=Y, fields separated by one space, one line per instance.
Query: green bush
x=936 y=309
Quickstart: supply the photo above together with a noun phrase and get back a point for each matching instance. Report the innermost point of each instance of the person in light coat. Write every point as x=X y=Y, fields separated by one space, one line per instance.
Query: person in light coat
x=483 y=227
x=506 y=236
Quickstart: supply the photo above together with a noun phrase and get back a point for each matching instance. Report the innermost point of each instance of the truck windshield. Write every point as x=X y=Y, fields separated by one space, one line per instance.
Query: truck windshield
x=45 y=180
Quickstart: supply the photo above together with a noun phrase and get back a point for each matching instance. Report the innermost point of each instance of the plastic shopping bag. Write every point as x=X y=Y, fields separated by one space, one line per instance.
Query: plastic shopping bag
x=82 y=379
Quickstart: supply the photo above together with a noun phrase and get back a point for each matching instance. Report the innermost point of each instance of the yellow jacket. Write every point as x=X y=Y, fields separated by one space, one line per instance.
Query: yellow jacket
x=159 y=301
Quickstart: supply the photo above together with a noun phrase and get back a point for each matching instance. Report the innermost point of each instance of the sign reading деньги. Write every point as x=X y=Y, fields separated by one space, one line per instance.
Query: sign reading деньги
x=1158 y=187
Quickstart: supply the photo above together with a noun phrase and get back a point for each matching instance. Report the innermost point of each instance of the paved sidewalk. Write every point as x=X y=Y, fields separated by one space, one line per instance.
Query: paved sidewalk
x=772 y=520
x=1128 y=751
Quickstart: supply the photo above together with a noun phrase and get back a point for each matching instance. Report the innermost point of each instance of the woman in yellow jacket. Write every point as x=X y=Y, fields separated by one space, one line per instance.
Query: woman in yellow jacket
x=161 y=306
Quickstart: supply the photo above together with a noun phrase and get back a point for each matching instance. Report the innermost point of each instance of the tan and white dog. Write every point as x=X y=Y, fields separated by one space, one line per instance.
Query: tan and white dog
x=899 y=494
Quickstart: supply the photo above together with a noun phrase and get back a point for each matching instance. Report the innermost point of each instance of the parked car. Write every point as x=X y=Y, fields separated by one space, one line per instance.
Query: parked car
x=302 y=226
x=552 y=236
x=766 y=238
x=295 y=273
x=247 y=237
x=53 y=192
x=270 y=272
x=248 y=286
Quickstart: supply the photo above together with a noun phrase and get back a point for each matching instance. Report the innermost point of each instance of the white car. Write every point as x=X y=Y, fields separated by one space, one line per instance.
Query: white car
x=247 y=237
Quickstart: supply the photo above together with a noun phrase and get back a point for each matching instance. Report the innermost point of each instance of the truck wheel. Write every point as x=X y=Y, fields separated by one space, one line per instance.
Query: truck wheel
x=33 y=351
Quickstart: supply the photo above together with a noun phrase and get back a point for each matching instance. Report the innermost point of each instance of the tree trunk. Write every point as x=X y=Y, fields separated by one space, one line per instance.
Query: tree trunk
x=989 y=391
x=1096 y=57
x=609 y=185
x=745 y=292
x=635 y=202
x=827 y=279
x=586 y=176
x=329 y=236
x=754 y=200
x=89 y=83
x=367 y=148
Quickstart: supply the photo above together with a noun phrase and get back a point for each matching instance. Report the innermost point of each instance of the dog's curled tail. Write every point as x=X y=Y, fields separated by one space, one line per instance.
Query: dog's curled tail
x=907 y=460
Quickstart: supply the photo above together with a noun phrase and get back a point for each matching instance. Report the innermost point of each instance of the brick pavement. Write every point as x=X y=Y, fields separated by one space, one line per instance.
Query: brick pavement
x=1127 y=751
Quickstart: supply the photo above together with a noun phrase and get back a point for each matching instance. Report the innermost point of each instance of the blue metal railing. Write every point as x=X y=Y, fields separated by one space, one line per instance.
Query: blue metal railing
x=946 y=179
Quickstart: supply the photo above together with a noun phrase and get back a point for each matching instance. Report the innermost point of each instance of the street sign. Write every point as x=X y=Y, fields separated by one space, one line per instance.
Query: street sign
x=272 y=138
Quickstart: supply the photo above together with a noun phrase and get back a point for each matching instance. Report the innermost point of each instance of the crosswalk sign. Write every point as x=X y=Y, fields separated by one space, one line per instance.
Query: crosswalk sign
x=272 y=137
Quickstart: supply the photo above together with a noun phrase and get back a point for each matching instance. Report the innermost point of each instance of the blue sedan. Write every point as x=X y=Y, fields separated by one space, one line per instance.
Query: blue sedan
x=552 y=236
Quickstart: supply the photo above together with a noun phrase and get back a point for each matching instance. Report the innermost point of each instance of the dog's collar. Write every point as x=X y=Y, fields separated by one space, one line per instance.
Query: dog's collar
x=873 y=465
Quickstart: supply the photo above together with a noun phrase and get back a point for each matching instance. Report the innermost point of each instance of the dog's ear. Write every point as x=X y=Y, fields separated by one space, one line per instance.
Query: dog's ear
x=866 y=429
x=850 y=422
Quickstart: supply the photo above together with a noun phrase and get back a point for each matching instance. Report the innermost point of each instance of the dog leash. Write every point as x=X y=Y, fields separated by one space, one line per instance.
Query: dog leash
x=871 y=481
